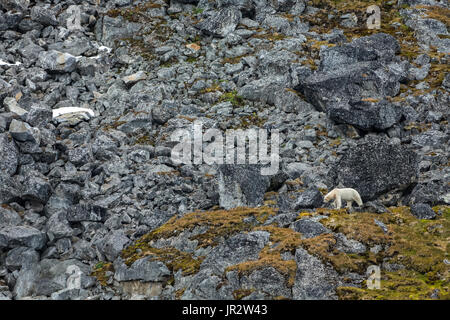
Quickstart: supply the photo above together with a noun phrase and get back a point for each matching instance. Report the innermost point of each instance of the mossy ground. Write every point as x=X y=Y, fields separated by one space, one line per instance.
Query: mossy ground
x=420 y=246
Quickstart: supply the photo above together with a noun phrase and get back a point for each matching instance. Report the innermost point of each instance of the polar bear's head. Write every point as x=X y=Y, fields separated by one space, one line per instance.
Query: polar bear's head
x=329 y=196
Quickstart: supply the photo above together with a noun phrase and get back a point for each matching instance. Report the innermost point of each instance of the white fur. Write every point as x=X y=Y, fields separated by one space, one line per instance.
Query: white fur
x=66 y=110
x=346 y=194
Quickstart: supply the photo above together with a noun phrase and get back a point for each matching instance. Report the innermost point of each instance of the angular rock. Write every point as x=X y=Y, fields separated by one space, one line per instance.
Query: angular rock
x=309 y=228
x=36 y=187
x=145 y=269
x=9 y=153
x=220 y=23
x=349 y=84
x=241 y=185
x=20 y=257
x=57 y=61
x=39 y=116
x=289 y=101
x=376 y=167
x=17 y=236
x=11 y=105
x=9 y=217
x=111 y=29
x=311 y=198
x=22 y=131
x=86 y=212
x=135 y=77
x=134 y=121
x=113 y=244
x=313 y=280
x=239 y=248
x=58 y=227
x=10 y=20
x=80 y=155
x=44 y=16
x=379 y=46
x=366 y=115
x=422 y=211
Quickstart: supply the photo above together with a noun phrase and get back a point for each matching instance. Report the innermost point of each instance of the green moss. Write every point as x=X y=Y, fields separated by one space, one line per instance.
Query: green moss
x=134 y=14
x=100 y=270
x=191 y=59
x=235 y=99
x=197 y=10
x=242 y=293
x=399 y=285
x=420 y=246
x=281 y=240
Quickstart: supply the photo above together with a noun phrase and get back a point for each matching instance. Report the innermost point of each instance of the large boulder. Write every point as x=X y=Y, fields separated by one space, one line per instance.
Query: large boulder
x=309 y=228
x=113 y=244
x=145 y=269
x=17 y=236
x=57 y=61
x=221 y=22
x=85 y=212
x=379 y=46
x=376 y=167
x=354 y=79
x=36 y=187
x=313 y=280
x=239 y=248
x=110 y=29
x=422 y=211
x=311 y=198
x=350 y=83
x=366 y=115
x=241 y=186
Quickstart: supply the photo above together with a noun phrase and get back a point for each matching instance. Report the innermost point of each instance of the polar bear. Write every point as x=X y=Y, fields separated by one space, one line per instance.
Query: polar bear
x=346 y=194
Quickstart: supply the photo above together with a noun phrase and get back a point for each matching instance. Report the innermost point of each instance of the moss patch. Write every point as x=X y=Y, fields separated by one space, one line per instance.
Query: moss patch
x=281 y=240
x=100 y=270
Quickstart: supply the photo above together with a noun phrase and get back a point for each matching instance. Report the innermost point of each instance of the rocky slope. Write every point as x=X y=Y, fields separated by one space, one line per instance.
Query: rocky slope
x=99 y=199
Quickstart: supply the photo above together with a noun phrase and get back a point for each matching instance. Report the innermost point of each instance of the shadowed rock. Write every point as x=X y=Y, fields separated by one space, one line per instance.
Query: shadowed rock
x=376 y=167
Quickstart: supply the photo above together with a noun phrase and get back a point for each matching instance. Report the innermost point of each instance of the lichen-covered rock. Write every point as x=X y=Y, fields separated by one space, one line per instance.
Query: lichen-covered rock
x=314 y=280
x=36 y=187
x=113 y=244
x=10 y=188
x=44 y=16
x=241 y=185
x=422 y=211
x=376 y=167
x=366 y=115
x=239 y=248
x=23 y=236
x=21 y=257
x=145 y=269
x=309 y=228
x=220 y=23
x=57 y=61
x=10 y=154
x=311 y=198
x=380 y=46
x=85 y=212
x=352 y=83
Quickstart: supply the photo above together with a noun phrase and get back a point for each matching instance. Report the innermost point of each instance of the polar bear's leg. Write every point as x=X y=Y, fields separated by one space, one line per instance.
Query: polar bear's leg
x=349 y=204
x=338 y=202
